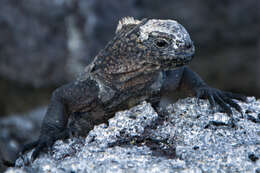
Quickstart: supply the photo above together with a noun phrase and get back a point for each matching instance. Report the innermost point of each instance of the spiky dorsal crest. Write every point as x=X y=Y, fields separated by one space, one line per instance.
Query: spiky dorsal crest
x=126 y=21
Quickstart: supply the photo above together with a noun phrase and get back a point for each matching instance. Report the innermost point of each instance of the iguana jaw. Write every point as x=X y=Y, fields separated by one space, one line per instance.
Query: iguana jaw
x=182 y=60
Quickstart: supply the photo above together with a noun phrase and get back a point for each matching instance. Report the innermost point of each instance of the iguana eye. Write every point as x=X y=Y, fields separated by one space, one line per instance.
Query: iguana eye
x=161 y=43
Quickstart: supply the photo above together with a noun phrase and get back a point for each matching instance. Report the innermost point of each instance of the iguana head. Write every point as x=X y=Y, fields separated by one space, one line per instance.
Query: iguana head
x=168 y=42
x=146 y=46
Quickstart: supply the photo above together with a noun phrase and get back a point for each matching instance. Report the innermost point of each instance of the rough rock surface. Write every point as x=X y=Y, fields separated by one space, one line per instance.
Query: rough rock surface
x=187 y=136
x=17 y=130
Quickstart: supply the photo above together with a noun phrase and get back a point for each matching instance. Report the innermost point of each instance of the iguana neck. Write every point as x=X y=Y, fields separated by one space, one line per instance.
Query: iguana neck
x=126 y=81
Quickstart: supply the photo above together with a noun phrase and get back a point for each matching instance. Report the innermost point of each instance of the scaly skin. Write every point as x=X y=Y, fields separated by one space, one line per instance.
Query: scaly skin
x=145 y=59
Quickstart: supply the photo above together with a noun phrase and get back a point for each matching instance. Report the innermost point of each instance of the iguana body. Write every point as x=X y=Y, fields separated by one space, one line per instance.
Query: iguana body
x=144 y=60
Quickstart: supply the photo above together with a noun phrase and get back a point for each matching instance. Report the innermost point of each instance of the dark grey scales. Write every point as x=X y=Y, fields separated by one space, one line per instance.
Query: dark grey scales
x=145 y=60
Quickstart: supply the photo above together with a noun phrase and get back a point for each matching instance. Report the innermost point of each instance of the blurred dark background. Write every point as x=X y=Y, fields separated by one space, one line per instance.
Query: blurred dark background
x=46 y=43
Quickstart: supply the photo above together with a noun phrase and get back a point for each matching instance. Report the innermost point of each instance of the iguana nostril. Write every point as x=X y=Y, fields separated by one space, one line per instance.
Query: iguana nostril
x=188 y=45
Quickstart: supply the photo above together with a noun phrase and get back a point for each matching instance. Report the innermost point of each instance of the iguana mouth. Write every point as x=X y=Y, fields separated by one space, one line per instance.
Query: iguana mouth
x=179 y=60
x=184 y=55
x=184 y=62
x=179 y=64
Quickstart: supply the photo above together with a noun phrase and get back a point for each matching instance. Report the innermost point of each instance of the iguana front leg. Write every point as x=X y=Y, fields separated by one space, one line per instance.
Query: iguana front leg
x=65 y=100
x=189 y=80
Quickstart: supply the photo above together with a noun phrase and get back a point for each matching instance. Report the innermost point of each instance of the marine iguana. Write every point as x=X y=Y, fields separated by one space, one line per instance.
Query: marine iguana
x=145 y=59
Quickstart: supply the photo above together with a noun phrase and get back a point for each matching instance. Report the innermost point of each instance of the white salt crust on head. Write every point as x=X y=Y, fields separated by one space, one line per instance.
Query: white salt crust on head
x=170 y=27
x=154 y=25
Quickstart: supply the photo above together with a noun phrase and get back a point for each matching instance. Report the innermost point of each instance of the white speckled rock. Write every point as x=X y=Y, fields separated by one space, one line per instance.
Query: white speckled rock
x=190 y=138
